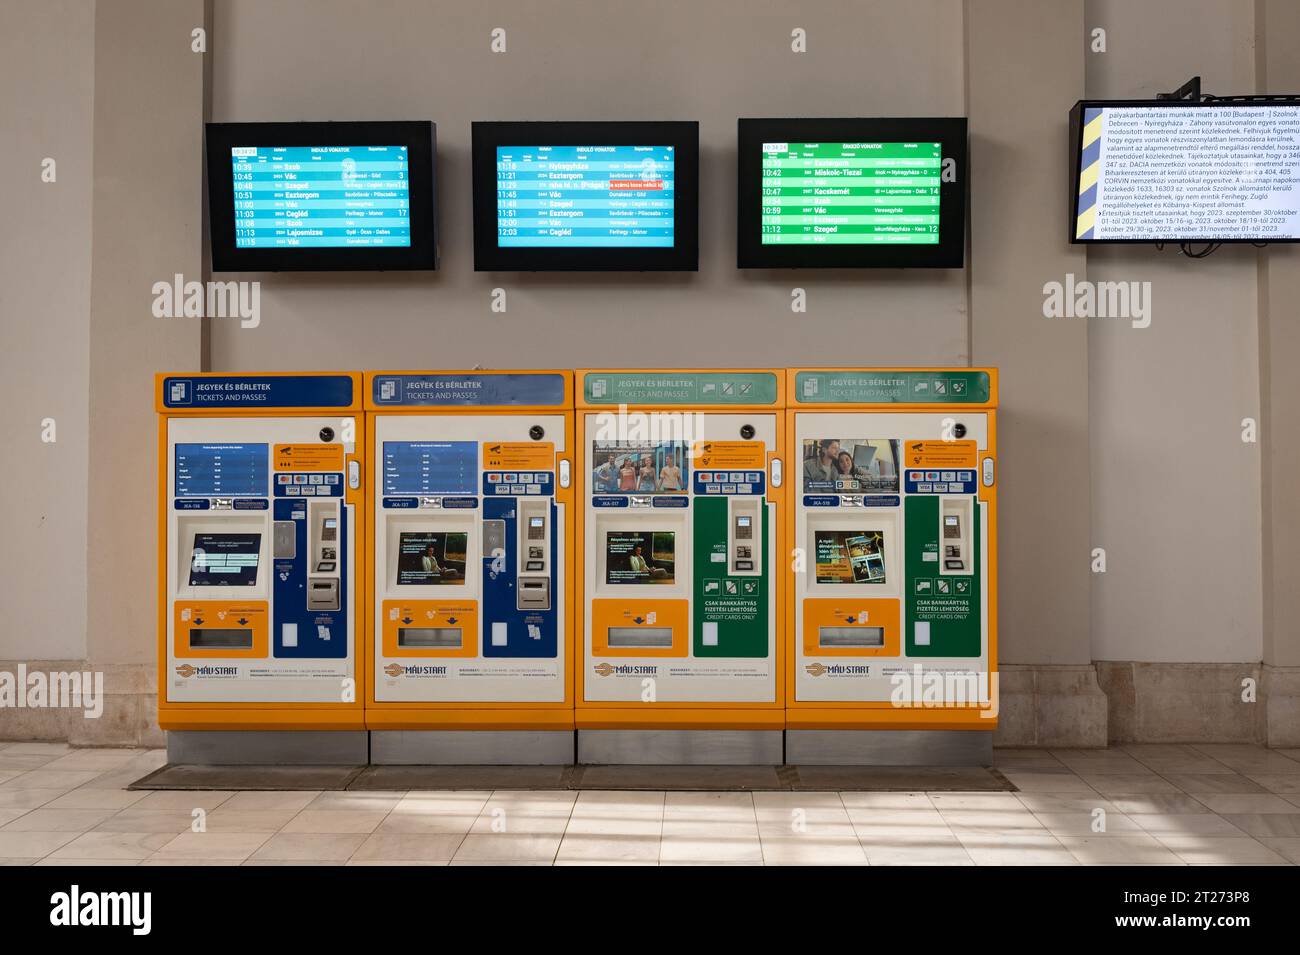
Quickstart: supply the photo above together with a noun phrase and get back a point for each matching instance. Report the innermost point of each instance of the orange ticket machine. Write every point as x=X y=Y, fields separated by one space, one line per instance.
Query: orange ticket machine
x=892 y=622
x=470 y=631
x=679 y=566
x=260 y=524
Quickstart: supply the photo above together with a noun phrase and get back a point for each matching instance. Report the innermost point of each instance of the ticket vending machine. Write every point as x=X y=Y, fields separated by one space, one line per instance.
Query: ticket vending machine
x=260 y=526
x=470 y=635
x=893 y=599
x=679 y=566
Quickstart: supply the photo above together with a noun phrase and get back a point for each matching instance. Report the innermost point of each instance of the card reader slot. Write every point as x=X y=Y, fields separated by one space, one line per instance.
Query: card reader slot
x=451 y=638
x=640 y=637
x=218 y=639
x=851 y=636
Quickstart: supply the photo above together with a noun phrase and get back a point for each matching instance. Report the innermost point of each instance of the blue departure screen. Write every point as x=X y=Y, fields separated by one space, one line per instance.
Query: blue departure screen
x=221 y=470
x=430 y=467
x=585 y=196
x=321 y=196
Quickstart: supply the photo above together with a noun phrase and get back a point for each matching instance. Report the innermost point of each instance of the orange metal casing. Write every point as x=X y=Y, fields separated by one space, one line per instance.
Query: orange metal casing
x=477 y=715
x=258 y=716
x=685 y=715
x=883 y=715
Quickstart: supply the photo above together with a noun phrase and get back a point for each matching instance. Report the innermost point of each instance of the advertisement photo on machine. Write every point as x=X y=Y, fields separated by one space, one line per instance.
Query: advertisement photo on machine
x=850 y=465
x=635 y=467
x=431 y=557
x=640 y=557
x=850 y=557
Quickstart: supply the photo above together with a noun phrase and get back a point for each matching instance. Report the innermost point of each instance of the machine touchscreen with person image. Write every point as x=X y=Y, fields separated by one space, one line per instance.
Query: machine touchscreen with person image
x=640 y=557
x=428 y=558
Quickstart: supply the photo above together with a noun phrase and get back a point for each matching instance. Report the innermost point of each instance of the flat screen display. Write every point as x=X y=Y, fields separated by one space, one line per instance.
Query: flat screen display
x=431 y=467
x=329 y=197
x=1185 y=172
x=322 y=196
x=850 y=465
x=225 y=560
x=851 y=193
x=429 y=558
x=221 y=470
x=598 y=196
x=638 y=467
x=618 y=197
x=640 y=557
x=849 y=556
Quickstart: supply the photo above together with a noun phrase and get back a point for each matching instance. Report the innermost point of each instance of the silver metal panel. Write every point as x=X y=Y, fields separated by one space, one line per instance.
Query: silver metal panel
x=889 y=747
x=471 y=747
x=267 y=748
x=680 y=747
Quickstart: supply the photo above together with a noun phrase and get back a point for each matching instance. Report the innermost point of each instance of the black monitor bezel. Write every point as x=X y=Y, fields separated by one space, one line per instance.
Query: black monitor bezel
x=420 y=138
x=950 y=253
x=683 y=136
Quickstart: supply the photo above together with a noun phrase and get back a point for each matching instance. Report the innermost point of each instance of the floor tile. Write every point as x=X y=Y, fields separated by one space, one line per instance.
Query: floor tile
x=1244 y=802
x=1187 y=824
x=32 y=845
x=1213 y=783
x=132 y=819
x=63 y=820
x=113 y=845
x=1128 y=849
x=96 y=799
x=1108 y=784
x=1200 y=850
x=606 y=848
x=186 y=801
x=335 y=820
x=1259 y=824
x=1016 y=849
x=499 y=846
x=310 y=846
x=213 y=845
x=1133 y=804
x=1048 y=782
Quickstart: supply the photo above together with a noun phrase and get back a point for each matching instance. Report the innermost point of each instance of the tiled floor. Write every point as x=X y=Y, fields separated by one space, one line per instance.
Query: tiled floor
x=1175 y=805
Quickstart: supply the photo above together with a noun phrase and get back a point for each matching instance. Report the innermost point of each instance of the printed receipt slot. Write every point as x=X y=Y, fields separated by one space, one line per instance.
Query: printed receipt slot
x=678 y=586
x=260 y=493
x=470 y=636
x=893 y=612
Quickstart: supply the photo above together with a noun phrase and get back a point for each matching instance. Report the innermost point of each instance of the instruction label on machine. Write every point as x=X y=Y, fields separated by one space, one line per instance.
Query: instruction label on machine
x=943 y=610
x=939 y=454
x=518 y=455
x=731 y=609
x=308 y=457
x=728 y=455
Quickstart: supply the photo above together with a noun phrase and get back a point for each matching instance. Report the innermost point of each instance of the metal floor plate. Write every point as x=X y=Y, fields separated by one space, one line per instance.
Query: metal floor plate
x=672 y=778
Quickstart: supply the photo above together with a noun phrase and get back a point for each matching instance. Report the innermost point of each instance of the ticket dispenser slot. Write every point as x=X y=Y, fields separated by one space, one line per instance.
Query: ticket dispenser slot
x=534 y=570
x=955 y=555
x=851 y=636
x=426 y=637
x=640 y=636
x=322 y=549
x=212 y=639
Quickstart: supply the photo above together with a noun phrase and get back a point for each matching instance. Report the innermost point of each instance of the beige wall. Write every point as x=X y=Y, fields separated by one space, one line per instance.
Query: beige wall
x=46 y=98
x=710 y=61
x=1176 y=493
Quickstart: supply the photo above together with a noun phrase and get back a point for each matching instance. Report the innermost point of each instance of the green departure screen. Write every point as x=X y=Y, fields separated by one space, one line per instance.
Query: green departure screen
x=851 y=193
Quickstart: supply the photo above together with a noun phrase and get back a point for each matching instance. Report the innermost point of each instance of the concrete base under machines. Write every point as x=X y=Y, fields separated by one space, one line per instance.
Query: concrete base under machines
x=471 y=748
x=680 y=747
x=889 y=747
x=268 y=748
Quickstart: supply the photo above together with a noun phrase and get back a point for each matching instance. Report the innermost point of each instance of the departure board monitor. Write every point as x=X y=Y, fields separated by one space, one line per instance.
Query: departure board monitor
x=1185 y=171
x=851 y=193
x=585 y=196
x=321 y=196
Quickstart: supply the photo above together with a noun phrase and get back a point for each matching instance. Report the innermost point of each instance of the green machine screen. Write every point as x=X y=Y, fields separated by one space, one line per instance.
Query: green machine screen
x=851 y=193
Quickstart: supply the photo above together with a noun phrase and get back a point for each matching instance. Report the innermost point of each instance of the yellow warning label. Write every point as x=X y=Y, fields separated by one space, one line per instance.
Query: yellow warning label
x=939 y=454
x=730 y=454
x=518 y=455
x=309 y=457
